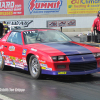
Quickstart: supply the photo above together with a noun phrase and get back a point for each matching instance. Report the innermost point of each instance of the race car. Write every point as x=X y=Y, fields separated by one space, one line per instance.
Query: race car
x=47 y=51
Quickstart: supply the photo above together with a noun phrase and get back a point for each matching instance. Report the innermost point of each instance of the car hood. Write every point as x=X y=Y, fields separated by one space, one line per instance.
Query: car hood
x=67 y=48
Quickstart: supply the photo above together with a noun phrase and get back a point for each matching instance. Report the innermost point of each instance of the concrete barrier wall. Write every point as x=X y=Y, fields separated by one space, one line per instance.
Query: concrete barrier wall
x=52 y=10
x=83 y=22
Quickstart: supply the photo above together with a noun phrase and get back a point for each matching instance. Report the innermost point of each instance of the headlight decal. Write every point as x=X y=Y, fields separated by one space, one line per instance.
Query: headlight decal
x=96 y=55
x=61 y=58
x=54 y=58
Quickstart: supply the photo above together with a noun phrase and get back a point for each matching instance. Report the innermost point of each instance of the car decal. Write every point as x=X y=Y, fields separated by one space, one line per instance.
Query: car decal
x=42 y=61
x=2 y=52
x=15 y=62
x=62 y=72
x=45 y=66
x=1 y=47
x=11 y=48
x=33 y=49
x=24 y=51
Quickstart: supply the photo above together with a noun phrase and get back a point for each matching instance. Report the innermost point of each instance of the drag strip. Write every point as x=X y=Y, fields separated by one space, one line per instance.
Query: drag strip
x=19 y=85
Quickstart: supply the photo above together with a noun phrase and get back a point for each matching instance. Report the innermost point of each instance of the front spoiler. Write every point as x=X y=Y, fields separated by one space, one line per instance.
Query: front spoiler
x=69 y=72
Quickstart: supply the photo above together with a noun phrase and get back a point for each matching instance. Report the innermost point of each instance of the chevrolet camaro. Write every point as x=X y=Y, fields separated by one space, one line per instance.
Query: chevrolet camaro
x=47 y=51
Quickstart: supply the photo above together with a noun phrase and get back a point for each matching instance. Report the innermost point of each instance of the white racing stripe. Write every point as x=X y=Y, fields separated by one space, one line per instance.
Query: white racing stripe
x=5 y=97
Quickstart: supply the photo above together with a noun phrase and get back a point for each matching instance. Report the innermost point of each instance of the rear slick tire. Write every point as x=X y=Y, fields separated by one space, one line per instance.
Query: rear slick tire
x=34 y=67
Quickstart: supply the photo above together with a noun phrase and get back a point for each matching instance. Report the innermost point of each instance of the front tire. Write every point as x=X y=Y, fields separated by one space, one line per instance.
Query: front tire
x=34 y=67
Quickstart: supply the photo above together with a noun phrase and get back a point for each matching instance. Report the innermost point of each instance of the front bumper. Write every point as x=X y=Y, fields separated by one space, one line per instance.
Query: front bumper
x=69 y=72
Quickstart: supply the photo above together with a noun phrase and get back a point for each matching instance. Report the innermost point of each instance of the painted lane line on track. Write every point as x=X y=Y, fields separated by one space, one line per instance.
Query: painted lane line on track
x=3 y=97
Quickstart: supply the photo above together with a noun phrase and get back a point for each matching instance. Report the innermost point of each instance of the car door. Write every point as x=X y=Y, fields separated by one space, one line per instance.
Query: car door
x=13 y=49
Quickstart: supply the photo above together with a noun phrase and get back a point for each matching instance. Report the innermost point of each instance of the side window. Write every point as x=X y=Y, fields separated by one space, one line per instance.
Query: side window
x=15 y=37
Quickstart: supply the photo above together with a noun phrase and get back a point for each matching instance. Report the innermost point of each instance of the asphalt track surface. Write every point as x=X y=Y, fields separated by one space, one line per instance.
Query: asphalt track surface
x=19 y=85
x=16 y=84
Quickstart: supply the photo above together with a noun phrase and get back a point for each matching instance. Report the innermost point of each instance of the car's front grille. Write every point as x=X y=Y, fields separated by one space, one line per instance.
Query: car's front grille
x=82 y=67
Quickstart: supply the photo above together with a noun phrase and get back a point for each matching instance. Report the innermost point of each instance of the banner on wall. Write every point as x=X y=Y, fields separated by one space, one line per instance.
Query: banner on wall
x=47 y=6
x=40 y=7
x=61 y=23
x=83 y=6
x=28 y=23
x=11 y=7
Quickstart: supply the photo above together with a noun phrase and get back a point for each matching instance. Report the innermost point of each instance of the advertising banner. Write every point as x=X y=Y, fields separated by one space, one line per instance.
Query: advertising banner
x=40 y=7
x=83 y=6
x=27 y=23
x=61 y=23
x=11 y=7
x=52 y=24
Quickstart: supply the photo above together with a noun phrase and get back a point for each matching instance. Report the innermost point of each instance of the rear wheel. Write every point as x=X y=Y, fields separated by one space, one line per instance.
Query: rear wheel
x=2 y=67
x=34 y=67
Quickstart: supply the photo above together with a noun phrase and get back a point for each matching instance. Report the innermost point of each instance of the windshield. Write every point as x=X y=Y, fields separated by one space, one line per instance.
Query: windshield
x=44 y=36
x=17 y=27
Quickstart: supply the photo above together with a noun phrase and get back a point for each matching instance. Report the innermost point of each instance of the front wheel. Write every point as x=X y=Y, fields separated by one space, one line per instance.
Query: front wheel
x=34 y=67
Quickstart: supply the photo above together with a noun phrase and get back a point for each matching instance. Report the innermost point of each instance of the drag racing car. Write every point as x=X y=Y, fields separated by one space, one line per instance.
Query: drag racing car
x=47 y=51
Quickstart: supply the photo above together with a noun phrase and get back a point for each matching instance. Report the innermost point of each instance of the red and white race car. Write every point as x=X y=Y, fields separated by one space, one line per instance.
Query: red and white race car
x=47 y=51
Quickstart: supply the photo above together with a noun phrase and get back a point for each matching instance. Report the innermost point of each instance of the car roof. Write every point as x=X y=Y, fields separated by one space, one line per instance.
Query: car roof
x=29 y=29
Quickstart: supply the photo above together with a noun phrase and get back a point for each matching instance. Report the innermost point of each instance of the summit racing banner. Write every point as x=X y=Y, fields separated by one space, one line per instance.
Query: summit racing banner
x=83 y=6
x=45 y=7
x=11 y=7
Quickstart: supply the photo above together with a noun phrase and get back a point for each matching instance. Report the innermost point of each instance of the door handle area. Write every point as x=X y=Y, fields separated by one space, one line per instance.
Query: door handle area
x=5 y=46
